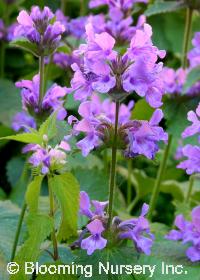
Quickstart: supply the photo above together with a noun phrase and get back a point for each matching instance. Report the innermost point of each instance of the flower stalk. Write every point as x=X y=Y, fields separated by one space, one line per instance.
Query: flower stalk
x=187 y=35
x=19 y=226
x=113 y=166
x=129 y=184
x=42 y=82
x=51 y=214
x=159 y=178
x=191 y=184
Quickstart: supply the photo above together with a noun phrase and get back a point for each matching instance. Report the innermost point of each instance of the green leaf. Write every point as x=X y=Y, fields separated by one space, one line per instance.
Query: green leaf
x=78 y=161
x=39 y=228
x=64 y=49
x=27 y=138
x=115 y=256
x=26 y=45
x=192 y=78
x=49 y=126
x=144 y=185
x=169 y=253
x=14 y=169
x=10 y=102
x=66 y=189
x=2 y=194
x=142 y=111
x=9 y=214
x=94 y=182
x=163 y=7
x=4 y=131
x=33 y=193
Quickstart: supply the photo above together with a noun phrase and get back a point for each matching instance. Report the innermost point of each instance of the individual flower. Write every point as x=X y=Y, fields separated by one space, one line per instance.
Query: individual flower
x=192 y=163
x=47 y=159
x=23 y=121
x=104 y=70
x=138 y=230
x=39 y=27
x=144 y=136
x=95 y=241
x=193 y=117
x=194 y=54
x=188 y=232
x=52 y=100
x=174 y=80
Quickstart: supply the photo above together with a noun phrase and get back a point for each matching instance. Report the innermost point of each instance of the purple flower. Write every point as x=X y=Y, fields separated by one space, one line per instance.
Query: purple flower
x=188 y=232
x=192 y=163
x=144 y=136
x=85 y=206
x=96 y=117
x=52 y=101
x=23 y=121
x=38 y=29
x=95 y=241
x=47 y=159
x=193 y=117
x=174 y=80
x=138 y=231
x=64 y=60
x=105 y=71
x=194 y=54
x=120 y=4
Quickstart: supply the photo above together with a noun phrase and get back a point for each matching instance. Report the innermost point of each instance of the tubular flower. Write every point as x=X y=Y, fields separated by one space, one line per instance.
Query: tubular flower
x=105 y=71
x=40 y=28
x=23 y=121
x=188 y=232
x=136 y=229
x=52 y=100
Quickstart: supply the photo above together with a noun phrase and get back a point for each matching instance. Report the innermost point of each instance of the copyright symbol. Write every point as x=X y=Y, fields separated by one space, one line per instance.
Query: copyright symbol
x=12 y=268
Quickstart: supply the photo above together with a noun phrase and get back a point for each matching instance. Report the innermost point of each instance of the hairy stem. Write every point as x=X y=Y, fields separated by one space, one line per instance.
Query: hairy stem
x=129 y=184
x=2 y=59
x=113 y=167
x=159 y=178
x=42 y=82
x=19 y=226
x=191 y=184
x=187 y=36
x=53 y=234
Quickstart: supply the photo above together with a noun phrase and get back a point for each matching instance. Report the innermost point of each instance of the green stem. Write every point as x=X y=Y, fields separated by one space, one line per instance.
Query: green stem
x=63 y=5
x=159 y=178
x=129 y=184
x=187 y=36
x=191 y=184
x=53 y=234
x=133 y=204
x=2 y=59
x=82 y=8
x=113 y=167
x=47 y=72
x=21 y=218
x=41 y=70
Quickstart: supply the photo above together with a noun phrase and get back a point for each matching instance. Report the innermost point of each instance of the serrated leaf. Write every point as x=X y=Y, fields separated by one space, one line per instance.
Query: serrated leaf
x=39 y=228
x=33 y=193
x=27 y=138
x=49 y=126
x=26 y=45
x=192 y=78
x=66 y=189
x=163 y=7
x=142 y=111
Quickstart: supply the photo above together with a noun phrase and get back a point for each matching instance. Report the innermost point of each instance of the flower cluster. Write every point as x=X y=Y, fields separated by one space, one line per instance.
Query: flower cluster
x=192 y=153
x=136 y=229
x=104 y=70
x=46 y=158
x=6 y=33
x=188 y=232
x=40 y=28
x=122 y=5
x=134 y=137
x=52 y=101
